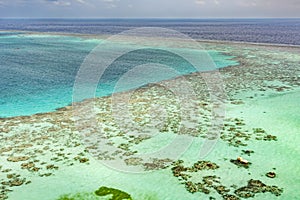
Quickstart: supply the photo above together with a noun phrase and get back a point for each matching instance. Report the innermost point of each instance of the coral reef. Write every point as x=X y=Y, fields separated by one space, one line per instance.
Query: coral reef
x=212 y=182
x=256 y=186
x=43 y=143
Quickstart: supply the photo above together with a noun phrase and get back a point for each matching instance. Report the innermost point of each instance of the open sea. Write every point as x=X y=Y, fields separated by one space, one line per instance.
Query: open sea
x=274 y=31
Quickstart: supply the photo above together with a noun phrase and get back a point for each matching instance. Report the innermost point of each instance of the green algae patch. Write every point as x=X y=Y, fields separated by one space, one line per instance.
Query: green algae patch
x=102 y=193
x=105 y=193
x=116 y=194
x=79 y=196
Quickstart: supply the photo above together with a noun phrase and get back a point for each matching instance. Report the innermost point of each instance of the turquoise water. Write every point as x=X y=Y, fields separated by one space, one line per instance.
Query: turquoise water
x=37 y=72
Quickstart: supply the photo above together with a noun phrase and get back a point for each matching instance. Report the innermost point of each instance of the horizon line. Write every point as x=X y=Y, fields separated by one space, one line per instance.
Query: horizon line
x=193 y=18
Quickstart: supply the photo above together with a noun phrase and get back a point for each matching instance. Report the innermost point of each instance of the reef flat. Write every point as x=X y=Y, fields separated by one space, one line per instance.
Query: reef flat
x=45 y=156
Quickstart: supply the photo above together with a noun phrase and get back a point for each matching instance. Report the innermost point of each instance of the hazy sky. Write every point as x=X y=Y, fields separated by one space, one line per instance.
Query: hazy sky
x=150 y=8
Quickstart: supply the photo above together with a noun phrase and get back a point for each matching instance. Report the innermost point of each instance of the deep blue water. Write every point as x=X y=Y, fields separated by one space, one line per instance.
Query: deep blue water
x=37 y=72
x=278 y=31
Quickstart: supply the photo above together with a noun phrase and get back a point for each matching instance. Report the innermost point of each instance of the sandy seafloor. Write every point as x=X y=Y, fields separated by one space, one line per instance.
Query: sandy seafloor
x=43 y=156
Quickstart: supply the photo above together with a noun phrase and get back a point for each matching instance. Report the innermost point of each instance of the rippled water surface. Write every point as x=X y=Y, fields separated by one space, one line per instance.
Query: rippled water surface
x=278 y=31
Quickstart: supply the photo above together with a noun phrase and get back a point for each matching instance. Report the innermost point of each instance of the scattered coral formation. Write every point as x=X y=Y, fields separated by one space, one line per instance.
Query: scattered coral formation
x=212 y=182
x=256 y=186
x=157 y=164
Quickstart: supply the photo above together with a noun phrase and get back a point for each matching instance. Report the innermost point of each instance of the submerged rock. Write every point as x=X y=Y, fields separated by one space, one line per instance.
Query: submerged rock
x=241 y=162
x=271 y=174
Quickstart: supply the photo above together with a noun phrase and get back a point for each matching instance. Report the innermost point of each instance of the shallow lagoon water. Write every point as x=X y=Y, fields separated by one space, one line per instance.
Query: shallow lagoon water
x=256 y=101
x=280 y=154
